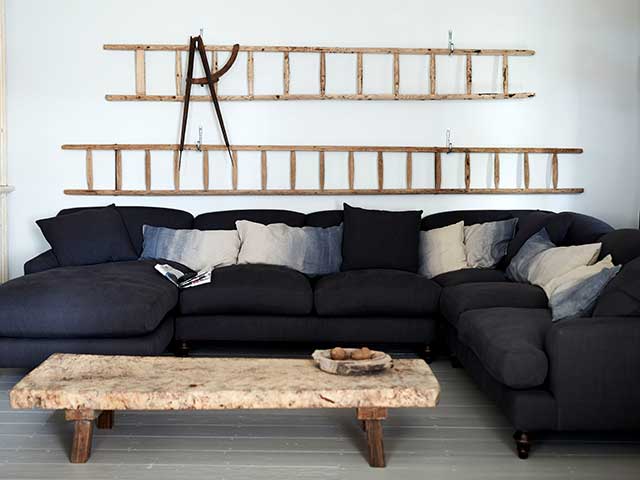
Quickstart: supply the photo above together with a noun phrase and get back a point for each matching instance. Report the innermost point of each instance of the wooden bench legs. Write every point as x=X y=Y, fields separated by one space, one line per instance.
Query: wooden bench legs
x=82 y=439
x=83 y=431
x=105 y=420
x=371 y=418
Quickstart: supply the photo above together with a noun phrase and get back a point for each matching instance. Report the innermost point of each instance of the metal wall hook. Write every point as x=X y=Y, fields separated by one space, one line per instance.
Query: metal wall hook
x=199 y=141
x=449 y=143
x=451 y=44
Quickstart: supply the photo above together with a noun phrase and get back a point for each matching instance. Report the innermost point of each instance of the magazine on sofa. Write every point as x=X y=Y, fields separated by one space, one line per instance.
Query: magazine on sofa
x=183 y=280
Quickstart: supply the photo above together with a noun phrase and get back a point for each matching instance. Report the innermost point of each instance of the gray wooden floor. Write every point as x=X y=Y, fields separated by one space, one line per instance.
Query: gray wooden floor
x=464 y=438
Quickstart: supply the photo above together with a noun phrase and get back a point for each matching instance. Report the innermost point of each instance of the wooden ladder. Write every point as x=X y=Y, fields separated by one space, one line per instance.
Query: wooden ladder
x=141 y=94
x=350 y=172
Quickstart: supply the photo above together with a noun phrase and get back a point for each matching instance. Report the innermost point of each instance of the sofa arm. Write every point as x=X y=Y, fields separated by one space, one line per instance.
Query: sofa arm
x=594 y=372
x=45 y=261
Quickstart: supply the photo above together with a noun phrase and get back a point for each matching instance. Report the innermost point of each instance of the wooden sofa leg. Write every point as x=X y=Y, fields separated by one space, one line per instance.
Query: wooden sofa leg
x=428 y=354
x=182 y=349
x=523 y=444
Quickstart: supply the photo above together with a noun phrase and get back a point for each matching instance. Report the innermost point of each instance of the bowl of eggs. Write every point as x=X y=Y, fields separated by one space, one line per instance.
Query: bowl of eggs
x=352 y=361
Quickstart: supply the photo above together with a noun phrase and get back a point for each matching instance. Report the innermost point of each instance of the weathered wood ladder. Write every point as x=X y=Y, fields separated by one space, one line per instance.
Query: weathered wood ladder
x=350 y=172
x=141 y=93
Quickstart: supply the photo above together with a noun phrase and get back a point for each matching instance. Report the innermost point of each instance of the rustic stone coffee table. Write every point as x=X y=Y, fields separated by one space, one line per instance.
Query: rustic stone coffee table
x=92 y=387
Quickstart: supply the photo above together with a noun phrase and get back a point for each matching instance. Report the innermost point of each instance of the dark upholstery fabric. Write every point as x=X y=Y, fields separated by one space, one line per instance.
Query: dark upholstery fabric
x=88 y=237
x=623 y=245
x=136 y=217
x=250 y=289
x=529 y=410
x=566 y=228
x=469 y=275
x=116 y=299
x=327 y=218
x=529 y=225
x=380 y=239
x=470 y=217
x=30 y=352
x=45 y=261
x=584 y=229
x=473 y=296
x=595 y=367
x=509 y=342
x=226 y=220
x=272 y=328
x=67 y=211
x=376 y=292
x=621 y=297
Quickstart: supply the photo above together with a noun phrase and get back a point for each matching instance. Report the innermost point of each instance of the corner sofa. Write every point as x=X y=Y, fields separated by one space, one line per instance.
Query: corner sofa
x=575 y=374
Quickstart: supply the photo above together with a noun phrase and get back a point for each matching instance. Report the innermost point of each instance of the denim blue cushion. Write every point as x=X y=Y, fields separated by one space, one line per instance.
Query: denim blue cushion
x=518 y=269
x=196 y=249
x=579 y=299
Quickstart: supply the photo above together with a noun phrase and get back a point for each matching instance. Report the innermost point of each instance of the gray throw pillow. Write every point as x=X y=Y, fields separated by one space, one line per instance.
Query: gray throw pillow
x=310 y=250
x=579 y=299
x=518 y=269
x=196 y=249
x=486 y=243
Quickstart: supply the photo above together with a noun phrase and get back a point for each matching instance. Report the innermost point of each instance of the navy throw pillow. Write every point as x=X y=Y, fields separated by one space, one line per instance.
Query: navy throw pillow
x=380 y=239
x=96 y=235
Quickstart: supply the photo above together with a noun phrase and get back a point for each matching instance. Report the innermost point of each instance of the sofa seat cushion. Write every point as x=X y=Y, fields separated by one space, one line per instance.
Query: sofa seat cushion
x=117 y=299
x=250 y=289
x=509 y=342
x=376 y=292
x=470 y=275
x=472 y=296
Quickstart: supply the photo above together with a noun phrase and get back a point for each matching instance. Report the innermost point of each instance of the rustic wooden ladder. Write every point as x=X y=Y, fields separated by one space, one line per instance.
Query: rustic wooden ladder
x=350 y=172
x=141 y=93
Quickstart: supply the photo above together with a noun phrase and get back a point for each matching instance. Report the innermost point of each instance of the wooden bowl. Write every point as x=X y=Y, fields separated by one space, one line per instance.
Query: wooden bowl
x=378 y=362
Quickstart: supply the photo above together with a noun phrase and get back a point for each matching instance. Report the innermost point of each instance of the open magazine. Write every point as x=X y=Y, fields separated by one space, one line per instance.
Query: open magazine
x=181 y=279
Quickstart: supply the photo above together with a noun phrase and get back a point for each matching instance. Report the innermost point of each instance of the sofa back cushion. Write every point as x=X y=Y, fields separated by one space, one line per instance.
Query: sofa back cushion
x=621 y=297
x=564 y=229
x=88 y=237
x=583 y=229
x=531 y=224
x=226 y=220
x=325 y=218
x=380 y=239
x=469 y=217
x=623 y=245
x=135 y=217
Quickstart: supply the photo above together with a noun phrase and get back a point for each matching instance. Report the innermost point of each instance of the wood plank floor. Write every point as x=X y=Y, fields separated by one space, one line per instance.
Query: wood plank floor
x=466 y=437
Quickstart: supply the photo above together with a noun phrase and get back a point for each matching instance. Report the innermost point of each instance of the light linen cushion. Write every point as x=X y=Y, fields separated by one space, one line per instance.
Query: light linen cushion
x=575 y=293
x=576 y=276
x=310 y=250
x=518 y=269
x=486 y=243
x=557 y=261
x=442 y=250
x=196 y=249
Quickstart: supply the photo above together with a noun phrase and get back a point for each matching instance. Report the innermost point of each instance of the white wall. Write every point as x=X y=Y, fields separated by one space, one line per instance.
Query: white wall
x=585 y=75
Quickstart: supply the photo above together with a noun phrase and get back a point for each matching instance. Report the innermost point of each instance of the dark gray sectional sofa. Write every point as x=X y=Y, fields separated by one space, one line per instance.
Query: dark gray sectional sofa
x=575 y=374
